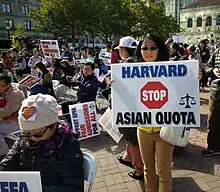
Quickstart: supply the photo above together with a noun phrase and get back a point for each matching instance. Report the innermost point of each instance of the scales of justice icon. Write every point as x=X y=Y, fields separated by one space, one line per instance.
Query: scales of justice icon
x=187 y=100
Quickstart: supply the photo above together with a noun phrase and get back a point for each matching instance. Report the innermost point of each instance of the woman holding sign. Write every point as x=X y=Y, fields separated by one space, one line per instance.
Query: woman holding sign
x=46 y=145
x=152 y=49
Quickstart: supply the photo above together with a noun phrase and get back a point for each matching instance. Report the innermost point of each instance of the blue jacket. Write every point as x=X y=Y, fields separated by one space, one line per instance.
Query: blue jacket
x=88 y=88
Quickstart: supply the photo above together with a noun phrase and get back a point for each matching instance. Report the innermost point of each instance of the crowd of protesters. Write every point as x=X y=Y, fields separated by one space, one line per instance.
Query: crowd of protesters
x=44 y=138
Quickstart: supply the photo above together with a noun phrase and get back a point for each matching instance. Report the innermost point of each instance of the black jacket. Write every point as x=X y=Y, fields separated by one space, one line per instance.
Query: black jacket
x=61 y=169
x=88 y=88
x=214 y=62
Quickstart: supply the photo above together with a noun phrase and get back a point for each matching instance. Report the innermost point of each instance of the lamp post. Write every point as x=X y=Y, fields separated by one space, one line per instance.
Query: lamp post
x=87 y=40
x=8 y=30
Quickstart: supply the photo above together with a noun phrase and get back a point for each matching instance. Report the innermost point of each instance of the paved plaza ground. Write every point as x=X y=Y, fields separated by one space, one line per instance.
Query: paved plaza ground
x=191 y=171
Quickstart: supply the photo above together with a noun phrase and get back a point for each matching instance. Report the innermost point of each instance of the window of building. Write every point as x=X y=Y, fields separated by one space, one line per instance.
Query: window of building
x=6 y=7
x=208 y=21
x=190 y=23
x=10 y=23
x=218 y=20
x=27 y=25
x=199 y=22
x=25 y=10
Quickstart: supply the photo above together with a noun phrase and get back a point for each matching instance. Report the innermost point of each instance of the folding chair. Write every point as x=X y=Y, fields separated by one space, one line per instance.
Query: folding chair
x=89 y=166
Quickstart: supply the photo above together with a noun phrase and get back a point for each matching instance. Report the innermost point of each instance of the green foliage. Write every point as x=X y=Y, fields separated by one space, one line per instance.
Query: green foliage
x=19 y=33
x=106 y=18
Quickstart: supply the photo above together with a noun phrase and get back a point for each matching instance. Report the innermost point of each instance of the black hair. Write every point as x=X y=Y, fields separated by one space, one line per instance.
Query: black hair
x=41 y=66
x=15 y=50
x=130 y=51
x=185 y=45
x=90 y=52
x=5 y=78
x=92 y=65
x=108 y=45
x=163 y=52
x=83 y=49
x=175 y=46
x=4 y=54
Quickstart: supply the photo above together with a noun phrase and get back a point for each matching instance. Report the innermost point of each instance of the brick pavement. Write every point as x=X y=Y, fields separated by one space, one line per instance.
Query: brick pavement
x=191 y=171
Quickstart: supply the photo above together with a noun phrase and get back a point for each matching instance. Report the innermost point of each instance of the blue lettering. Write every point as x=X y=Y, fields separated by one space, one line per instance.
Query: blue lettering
x=182 y=70
x=162 y=71
x=154 y=71
x=145 y=71
x=4 y=187
x=172 y=71
x=13 y=187
x=135 y=72
x=23 y=187
x=126 y=72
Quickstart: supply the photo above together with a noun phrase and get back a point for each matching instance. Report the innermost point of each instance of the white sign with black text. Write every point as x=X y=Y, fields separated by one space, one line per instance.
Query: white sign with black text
x=156 y=94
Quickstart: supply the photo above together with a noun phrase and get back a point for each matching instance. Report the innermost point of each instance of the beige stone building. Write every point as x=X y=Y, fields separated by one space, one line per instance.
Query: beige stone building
x=201 y=20
x=13 y=12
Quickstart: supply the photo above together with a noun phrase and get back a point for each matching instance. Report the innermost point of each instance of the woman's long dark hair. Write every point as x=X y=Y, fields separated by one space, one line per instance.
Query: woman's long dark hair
x=42 y=67
x=163 y=52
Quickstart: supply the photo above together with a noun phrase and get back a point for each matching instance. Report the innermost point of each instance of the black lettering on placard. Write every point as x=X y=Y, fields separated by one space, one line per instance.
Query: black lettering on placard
x=133 y=118
x=191 y=118
x=175 y=118
x=159 y=118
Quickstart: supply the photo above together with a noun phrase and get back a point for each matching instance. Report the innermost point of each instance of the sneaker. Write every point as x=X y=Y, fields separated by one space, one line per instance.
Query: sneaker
x=208 y=153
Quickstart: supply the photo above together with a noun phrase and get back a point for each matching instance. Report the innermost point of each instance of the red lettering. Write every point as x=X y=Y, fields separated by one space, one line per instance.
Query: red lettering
x=83 y=130
x=51 y=50
x=87 y=119
x=93 y=116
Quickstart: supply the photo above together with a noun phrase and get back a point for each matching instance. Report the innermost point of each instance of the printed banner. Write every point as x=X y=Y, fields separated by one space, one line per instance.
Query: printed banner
x=18 y=181
x=161 y=94
x=84 y=120
x=106 y=122
x=50 y=49
x=30 y=81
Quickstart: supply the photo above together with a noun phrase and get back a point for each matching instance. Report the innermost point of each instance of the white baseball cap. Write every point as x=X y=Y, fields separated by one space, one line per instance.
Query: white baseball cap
x=128 y=42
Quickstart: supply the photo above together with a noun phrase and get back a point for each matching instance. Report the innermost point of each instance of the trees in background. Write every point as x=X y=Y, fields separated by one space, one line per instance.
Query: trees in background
x=109 y=19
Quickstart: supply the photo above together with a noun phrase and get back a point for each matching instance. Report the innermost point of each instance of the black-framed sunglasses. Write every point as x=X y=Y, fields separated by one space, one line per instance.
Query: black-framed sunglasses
x=151 y=48
x=34 y=135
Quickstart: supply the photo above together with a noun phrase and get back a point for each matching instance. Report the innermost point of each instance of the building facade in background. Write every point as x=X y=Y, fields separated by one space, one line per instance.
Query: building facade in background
x=173 y=7
x=13 y=12
x=201 y=20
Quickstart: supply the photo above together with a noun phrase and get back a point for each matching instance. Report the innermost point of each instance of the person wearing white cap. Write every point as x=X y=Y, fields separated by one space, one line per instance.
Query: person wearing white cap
x=46 y=145
x=132 y=157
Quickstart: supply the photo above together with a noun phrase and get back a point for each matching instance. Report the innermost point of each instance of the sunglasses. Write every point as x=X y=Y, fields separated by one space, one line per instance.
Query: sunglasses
x=151 y=48
x=37 y=135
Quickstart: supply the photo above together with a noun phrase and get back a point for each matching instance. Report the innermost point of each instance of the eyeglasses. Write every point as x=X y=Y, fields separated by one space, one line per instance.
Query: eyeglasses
x=37 y=135
x=151 y=48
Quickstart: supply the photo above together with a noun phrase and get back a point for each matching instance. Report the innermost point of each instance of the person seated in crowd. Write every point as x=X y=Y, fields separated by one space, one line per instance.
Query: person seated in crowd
x=46 y=145
x=19 y=63
x=7 y=61
x=83 y=53
x=11 y=99
x=4 y=70
x=66 y=54
x=57 y=71
x=34 y=59
x=46 y=86
x=87 y=85
x=90 y=58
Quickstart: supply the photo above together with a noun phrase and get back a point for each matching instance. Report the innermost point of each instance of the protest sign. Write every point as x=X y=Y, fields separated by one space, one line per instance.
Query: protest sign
x=106 y=122
x=161 y=94
x=30 y=81
x=178 y=39
x=50 y=49
x=84 y=120
x=20 y=181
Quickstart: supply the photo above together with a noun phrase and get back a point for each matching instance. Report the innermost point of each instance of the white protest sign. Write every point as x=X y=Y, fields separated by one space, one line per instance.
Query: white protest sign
x=84 y=120
x=50 y=49
x=20 y=181
x=106 y=122
x=160 y=94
